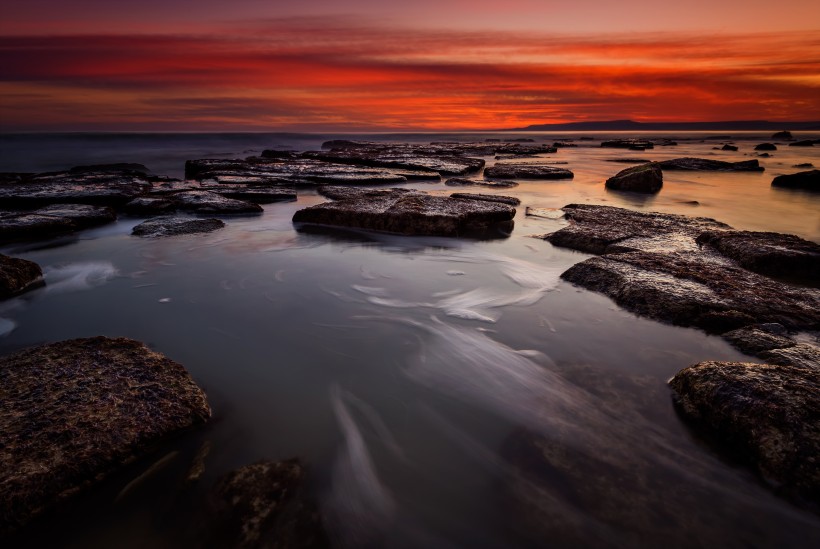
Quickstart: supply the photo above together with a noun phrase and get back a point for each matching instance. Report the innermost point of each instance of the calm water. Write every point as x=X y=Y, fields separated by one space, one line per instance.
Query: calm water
x=397 y=367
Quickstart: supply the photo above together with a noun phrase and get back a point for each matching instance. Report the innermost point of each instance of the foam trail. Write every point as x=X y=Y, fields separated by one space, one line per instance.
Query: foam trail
x=360 y=508
x=6 y=326
x=78 y=276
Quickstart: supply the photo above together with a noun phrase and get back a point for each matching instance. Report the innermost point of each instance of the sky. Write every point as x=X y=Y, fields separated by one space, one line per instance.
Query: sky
x=367 y=65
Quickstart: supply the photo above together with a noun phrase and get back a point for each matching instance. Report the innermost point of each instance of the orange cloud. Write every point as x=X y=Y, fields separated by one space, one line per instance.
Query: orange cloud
x=314 y=74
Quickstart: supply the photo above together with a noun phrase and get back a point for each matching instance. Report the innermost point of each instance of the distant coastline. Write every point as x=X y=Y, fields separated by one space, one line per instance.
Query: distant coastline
x=631 y=125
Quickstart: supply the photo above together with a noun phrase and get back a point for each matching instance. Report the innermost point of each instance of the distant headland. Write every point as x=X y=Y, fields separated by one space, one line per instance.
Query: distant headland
x=631 y=125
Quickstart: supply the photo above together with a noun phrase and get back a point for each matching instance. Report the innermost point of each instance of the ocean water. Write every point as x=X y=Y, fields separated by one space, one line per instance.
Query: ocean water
x=398 y=368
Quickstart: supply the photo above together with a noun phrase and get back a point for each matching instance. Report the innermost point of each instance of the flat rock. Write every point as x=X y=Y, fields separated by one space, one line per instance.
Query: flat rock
x=109 y=186
x=646 y=178
x=501 y=199
x=175 y=226
x=803 y=143
x=809 y=180
x=526 y=171
x=766 y=147
x=703 y=164
x=18 y=275
x=52 y=220
x=72 y=412
x=212 y=203
x=803 y=355
x=461 y=182
x=406 y=212
x=255 y=194
x=772 y=254
x=264 y=505
x=151 y=205
x=629 y=160
x=441 y=159
x=632 y=144
x=768 y=415
x=757 y=339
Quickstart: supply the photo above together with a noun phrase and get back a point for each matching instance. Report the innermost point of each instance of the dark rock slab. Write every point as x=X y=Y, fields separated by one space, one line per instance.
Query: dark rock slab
x=809 y=180
x=728 y=147
x=17 y=276
x=647 y=178
x=264 y=505
x=206 y=202
x=72 y=412
x=804 y=355
x=151 y=205
x=629 y=160
x=632 y=144
x=402 y=157
x=757 y=339
x=526 y=171
x=501 y=199
x=606 y=229
x=804 y=165
x=767 y=415
x=782 y=135
x=803 y=143
x=773 y=254
x=175 y=226
x=81 y=185
x=704 y=164
x=766 y=147
x=52 y=221
x=254 y=194
x=461 y=182
x=406 y=212
x=83 y=216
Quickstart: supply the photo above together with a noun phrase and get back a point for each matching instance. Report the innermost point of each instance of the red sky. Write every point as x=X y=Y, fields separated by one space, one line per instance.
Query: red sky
x=429 y=64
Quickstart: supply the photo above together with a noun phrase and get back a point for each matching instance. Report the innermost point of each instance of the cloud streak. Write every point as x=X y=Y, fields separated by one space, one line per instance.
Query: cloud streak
x=309 y=73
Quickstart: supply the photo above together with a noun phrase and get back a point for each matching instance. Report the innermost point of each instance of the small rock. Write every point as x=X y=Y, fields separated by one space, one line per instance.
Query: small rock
x=766 y=147
x=782 y=135
x=18 y=276
x=809 y=181
x=174 y=226
x=728 y=147
x=802 y=143
x=646 y=178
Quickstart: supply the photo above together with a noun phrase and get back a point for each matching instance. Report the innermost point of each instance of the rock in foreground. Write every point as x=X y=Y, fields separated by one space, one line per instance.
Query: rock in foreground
x=18 y=275
x=174 y=226
x=263 y=505
x=407 y=212
x=647 y=178
x=72 y=412
x=809 y=180
x=768 y=415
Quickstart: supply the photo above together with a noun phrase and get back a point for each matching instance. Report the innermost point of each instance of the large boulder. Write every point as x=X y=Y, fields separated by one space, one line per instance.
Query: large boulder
x=767 y=415
x=809 y=180
x=75 y=411
x=647 y=178
x=407 y=212
x=527 y=171
x=18 y=275
x=264 y=505
x=704 y=164
x=175 y=226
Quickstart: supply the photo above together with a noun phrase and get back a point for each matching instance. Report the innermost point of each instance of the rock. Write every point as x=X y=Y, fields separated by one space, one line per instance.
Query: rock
x=728 y=147
x=764 y=155
x=18 y=276
x=563 y=144
x=256 y=194
x=629 y=160
x=264 y=505
x=782 y=135
x=632 y=144
x=605 y=229
x=109 y=186
x=766 y=147
x=803 y=355
x=772 y=254
x=767 y=415
x=406 y=212
x=151 y=205
x=174 y=226
x=646 y=178
x=511 y=200
x=703 y=164
x=211 y=203
x=52 y=221
x=117 y=168
x=73 y=412
x=804 y=165
x=755 y=339
x=802 y=143
x=526 y=171
x=458 y=181
x=809 y=180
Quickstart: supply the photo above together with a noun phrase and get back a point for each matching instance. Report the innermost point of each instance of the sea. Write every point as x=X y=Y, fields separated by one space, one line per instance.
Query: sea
x=401 y=370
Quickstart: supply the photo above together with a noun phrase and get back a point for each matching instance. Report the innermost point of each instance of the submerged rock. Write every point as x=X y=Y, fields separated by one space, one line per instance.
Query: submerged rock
x=175 y=226
x=766 y=147
x=459 y=182
x=772 y=254
x=809 y=180
x=767 y=415
x=527 y=171
x=53 y=220
x=264 y=505
x=17 y=276
x=406 y=212
x=73 y=412
x=647 y=178
x=803 y=143
x=703 y=164
x=511 y=200
x=728 y=147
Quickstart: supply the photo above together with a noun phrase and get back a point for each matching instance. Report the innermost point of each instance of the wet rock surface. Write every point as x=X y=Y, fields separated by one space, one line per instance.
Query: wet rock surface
x=406 y=212
x=767 y=415
x=704 y=164
x=527 y=171
x=632 y=144
x=175 y=226
x=52 y=220
x=75 y=411
x=461 y=182
x=809 y=181
x=759 y=338
x=264 y=505
x=501 y=199
x=803 y=355
x=18 y=275
x=647 y=178
x=212 y=203
x=772 y=254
